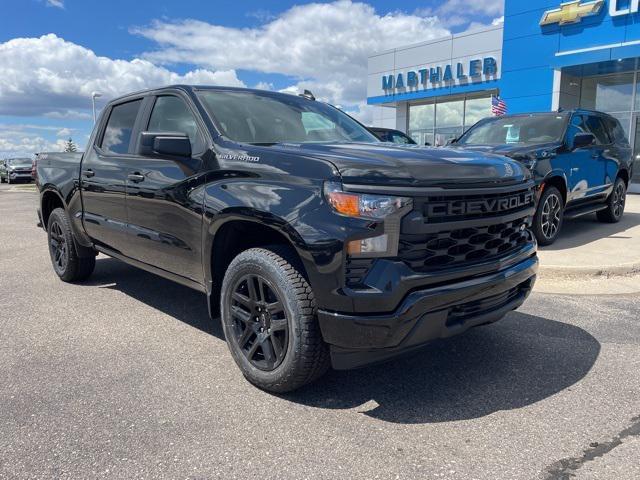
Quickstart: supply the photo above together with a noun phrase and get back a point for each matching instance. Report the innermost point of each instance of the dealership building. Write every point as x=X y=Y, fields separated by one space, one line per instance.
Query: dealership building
x=545 y=56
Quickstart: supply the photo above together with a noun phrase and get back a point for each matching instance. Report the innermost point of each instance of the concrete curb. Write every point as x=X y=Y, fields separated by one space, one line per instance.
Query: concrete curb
x=625 y=269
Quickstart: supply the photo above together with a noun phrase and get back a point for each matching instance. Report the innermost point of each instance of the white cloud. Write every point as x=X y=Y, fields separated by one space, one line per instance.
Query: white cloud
x=68 y=114
x=52 y=77
x=454 y=13
x=323 y=45
x=55 y=3
x=498 y=21
x=23 y=140
x=14 y=145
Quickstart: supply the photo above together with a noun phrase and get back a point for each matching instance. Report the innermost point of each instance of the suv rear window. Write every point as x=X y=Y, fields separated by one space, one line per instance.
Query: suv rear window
x=117 y=135
x=616 y=132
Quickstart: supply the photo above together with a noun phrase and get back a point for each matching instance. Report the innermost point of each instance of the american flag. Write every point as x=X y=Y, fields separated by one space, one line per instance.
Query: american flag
x=498 y=107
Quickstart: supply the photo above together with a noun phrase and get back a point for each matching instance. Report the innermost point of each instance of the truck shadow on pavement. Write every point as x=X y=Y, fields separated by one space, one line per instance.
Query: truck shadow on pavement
x=513 y=363
x=173 y=299
x=508 y=365
x=586 y=229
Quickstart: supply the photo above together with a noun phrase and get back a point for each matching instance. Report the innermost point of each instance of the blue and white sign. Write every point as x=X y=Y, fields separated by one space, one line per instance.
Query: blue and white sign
x=438 y=76
x=460 y=63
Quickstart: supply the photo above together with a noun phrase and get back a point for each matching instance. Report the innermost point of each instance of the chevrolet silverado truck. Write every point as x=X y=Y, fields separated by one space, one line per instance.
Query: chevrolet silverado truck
x=315 y=243
x=581 y=161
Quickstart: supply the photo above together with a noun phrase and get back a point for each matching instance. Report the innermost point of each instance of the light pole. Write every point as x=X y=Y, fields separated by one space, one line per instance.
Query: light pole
x=94 y=95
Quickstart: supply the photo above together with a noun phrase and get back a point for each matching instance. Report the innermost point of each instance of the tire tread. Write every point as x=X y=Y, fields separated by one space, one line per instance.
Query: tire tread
x=312 y=357
x=79 y=268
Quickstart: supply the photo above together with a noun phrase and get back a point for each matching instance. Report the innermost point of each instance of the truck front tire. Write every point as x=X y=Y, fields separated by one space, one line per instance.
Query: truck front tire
x=67 y=264
x=269 y=319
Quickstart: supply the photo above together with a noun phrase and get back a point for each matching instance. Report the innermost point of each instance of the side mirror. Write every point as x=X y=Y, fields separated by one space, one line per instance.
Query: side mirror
x=427 y=144
x=451 y=141
x=582 y=140
x=171 y=144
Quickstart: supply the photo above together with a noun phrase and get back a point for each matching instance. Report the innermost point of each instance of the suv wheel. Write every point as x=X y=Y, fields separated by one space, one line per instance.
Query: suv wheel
x=615 y=203
x=547 y=220
x=64 y=257
x=269 y=319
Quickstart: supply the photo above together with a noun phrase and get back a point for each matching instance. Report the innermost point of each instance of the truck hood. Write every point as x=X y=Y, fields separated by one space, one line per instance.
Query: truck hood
x=369 y=163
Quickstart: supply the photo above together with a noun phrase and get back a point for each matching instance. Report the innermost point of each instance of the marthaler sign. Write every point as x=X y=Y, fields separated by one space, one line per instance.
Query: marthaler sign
x=442 y=74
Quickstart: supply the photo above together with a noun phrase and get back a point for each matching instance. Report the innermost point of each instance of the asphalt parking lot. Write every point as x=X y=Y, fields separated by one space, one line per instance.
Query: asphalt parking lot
x=126 y=377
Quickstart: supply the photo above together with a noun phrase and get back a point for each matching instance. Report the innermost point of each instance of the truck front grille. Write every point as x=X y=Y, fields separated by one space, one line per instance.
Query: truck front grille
x=450 y=248
x=450 y=208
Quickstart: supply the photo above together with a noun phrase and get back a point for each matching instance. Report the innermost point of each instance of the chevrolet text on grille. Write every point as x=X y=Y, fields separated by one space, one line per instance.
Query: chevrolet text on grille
x=491 y=205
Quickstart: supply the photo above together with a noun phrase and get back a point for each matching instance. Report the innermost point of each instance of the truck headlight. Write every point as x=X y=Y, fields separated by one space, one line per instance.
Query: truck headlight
x=363 y=205
x=388 y=208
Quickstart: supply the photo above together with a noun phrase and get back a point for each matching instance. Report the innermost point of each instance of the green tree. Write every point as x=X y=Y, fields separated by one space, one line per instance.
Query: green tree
x=69 y=146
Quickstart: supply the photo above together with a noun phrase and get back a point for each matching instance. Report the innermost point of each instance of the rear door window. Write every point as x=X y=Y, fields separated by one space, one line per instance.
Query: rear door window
x=117 y=134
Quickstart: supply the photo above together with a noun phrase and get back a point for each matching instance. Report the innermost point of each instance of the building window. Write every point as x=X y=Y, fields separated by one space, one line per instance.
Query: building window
x=421 y=123
x=607 y=94
x=442 y=120
x=475 y=110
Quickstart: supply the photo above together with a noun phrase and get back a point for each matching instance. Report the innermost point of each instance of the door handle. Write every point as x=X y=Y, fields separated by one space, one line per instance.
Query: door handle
x=88 y=173
x=135 y=177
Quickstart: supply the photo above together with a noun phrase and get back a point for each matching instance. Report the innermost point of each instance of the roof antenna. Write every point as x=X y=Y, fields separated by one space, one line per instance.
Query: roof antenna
x=307 y=94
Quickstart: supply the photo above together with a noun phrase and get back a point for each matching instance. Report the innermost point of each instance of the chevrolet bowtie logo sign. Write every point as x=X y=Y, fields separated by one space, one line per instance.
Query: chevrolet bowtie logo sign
x=571 y=12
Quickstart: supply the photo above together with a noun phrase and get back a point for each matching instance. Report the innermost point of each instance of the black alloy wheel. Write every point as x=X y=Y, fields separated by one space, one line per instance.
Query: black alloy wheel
x=549 y=216
x=551 y=211
x=269 y=318
x=58 y=247
x=259 y=322
x=68 y=262
x=615 y=203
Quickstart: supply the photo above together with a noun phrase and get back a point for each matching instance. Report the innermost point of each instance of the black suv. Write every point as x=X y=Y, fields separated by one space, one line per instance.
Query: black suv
x=581 y=160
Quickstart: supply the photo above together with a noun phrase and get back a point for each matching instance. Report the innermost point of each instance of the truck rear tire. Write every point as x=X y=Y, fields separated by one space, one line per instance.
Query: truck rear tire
x=67 y=264
x=269 y=319
x=615 y=203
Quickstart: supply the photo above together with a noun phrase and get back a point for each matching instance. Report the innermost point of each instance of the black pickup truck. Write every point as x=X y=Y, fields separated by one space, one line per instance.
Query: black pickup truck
x=316 y=244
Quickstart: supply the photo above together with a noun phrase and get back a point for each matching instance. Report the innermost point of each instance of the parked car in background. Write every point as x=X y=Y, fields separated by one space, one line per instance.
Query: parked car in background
x=581 y=161
x=315 y=242
x=15 y=170
x=391 y=135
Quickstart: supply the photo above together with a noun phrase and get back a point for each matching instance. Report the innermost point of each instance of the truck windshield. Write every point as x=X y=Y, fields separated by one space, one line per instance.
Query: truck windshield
x=267 y=118
x=525 y=130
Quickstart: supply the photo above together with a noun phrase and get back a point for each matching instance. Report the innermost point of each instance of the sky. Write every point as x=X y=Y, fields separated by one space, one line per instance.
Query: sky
x=54 y=53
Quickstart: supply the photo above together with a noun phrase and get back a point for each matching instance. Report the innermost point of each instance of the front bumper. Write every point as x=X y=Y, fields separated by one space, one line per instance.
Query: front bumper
x=426 y=315
x=20 y=176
